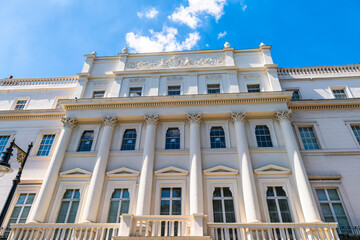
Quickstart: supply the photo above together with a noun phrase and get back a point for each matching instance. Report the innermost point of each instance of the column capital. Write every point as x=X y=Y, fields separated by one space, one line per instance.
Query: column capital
x=152 y=119
x=281 y=115
x=109 y=120
x=238 y=116
x=194 y=118
x=68 y=122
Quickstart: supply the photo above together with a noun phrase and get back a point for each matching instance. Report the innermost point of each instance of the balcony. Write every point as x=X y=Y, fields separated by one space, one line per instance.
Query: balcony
x=181 y=227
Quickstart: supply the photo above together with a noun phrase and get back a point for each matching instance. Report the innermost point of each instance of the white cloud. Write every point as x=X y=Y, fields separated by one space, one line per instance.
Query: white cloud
x=221 y=34
x=189 y=15
x=151 y=13
x=243 y=5
x=161 y=41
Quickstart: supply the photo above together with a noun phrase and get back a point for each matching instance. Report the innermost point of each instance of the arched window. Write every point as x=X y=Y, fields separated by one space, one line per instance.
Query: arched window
x=223 y=205
x=129 y=140
x=278 y=205
x=172 y=138
x=217 y=137
x=69 y=206
x=119 y=204
x=86 y=141
x=263 y=137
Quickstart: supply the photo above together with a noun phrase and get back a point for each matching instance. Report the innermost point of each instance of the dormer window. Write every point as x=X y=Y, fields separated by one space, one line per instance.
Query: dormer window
x=174 y=90
x=339 y=93
x=213 y=88
x=20 y=104
x=253 y=87
x=135 y=91
x=98 y=94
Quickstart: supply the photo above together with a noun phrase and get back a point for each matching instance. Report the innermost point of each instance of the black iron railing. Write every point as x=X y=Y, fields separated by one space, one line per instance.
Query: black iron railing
x=349 y=233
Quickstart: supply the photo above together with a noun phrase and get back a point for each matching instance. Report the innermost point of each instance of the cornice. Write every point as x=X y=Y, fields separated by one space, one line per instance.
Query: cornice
x=183 y=100
x=31 y=114
x=327 y=104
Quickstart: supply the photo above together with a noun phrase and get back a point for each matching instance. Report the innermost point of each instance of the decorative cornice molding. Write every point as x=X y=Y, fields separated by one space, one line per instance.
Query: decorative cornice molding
x=37 y=81
x=18 y=117
x=238 y=116
x=68 y=122
x=109 y=121
x=324 y=105
x=194 y=118
x=281 y=115
x=152 y=119
x=319 y=70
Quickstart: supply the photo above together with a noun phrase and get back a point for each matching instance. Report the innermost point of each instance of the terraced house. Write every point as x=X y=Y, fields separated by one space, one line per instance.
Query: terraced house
x=211 y=144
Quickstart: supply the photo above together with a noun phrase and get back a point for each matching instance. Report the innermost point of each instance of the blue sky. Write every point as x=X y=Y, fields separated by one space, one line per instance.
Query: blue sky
x=42 y=38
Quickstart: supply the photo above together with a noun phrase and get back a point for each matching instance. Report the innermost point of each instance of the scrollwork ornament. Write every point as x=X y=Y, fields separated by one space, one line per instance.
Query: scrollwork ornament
x=68 y=122
x=194 y=118
x=238 y=116
x=281 y=115
x=152 y=119
x=109 y=121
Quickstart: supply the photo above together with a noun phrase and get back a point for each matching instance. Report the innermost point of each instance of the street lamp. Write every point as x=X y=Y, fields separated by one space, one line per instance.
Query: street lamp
x=5 y=168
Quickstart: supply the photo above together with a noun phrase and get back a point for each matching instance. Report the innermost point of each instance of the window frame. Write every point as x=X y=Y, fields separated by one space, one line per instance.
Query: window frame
x=170 y=182
x=253 y=84
x=166 y=137
x=119 y=135
x=123 y=138
x=13 y=106
x=80 y=140
x=221 y=123
x=210 y=83
x=164 y=127
x=38 y=140
x=136 y=86
x=341 y=87
x=270 y=124
x=11 y=135
x=349 y=125
x=317 y=133
x=97 y=91
x=266 y=127
x=174 y=85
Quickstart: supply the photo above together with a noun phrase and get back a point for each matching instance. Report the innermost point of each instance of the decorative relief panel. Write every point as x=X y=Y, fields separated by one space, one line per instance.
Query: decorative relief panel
x=213 y=76
x=174 y=78
x=102 y=83
x=251 y=77
x=176 y=62
x=137 y=80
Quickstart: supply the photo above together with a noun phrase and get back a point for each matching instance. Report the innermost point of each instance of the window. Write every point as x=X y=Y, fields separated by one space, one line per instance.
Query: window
x=69 y=206
x=253 y=87
x=86 y=141
x=217 y=137
x=119 y=204
x=213 y=88
x=223 y=205
x=20 y=104
x=135 y=91
x=331 y=206
x=308 y=138
x=45 y=145
x=174 y=90
x=172 y=138
x=355 y=129
x=20 y=211
x=129 y=140
x=295 y=95
x=339 y=93
x=170 y=204
x=278 y=205
x=263 y=137
x=98 y=94
x=3 y=141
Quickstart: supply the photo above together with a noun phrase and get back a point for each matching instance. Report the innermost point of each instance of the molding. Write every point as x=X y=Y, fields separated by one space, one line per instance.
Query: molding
x=76 y=173
x=328 y=152
x=328 y=177
x=328 y=104
x=123 y=172
x=171 y=171
x=220 y=170
x=272 y=169
x=31 y=114
x=20 y=82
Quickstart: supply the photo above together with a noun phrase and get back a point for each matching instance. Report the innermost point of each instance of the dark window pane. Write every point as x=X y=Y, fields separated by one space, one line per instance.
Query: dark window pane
x=176 y=192
x=172 y=138
x=86 y=141
x=253 y=88
x=263 y=137
x=217 y=137
x=173 y=90
x=165 y=192
x=129 y=140
x=165 y=207
x=213 y=88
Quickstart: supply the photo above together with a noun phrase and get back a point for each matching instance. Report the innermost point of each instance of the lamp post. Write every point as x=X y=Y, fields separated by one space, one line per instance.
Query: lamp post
x=5 y=168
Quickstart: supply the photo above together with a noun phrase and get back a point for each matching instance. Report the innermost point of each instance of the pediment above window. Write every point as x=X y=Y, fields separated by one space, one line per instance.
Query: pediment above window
x=76 y=173
x=171 y=171
x=272 y=169
x=220 y=170
x=123 y=172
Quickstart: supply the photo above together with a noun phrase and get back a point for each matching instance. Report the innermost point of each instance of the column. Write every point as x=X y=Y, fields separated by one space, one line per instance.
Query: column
x=196 y=188
x=246 y=170
x=45 y=195
x=94 y=194
x=146 y=176
x=306 y=196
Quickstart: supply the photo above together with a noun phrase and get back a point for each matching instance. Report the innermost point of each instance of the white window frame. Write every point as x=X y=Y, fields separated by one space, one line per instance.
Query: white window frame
x=221 y=123
x=345 y=88
x=98 y=90
x=27 y=99
x=165 y=126
x=173 y=84
x=8 y=133
x=136 y=85
x=232 y=184
x=63 y=186
x=39 y=139
x=110 y=188
x=353 y=123
x=79 y=131
x=317 y=132
x=121 y=130
x=214 y=82
x=267 y=122
x=166 y=182
x=264 y=183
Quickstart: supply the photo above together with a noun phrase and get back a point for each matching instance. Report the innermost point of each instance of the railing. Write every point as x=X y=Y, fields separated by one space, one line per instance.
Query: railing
x=161 y=225
x=319 y=70
x=273 y=231
x=349 y=233
x=37 y=81
x=66 y=231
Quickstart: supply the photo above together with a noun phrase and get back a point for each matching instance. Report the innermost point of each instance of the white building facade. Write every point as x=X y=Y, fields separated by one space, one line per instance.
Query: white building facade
x=217 y=144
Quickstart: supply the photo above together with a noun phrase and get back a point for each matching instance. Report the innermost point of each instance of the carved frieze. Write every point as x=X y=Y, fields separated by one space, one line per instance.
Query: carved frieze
x=174 y=78
x=137 y=80
x=213 y=76
x=176 y=62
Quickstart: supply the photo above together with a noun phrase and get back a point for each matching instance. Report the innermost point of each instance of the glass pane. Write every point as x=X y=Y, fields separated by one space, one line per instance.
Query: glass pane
x=218 y=217
x=217 y=192
x=280 y=192
x=125 y=193
x=227 y=192
x=329 y=219
x=176 y=207
x=68 y=194
x=124 y=207
x=229 y=210
x=77 y=194
x=333 y=195
x=343 y=222
x=21 y=199
x=176 y=192
x=274 y=215
x=15 y=213
x=326 y=209
x=114 y=206
x=285 y=210
x=116 y=193
x=30 y=199
x=165 y=192
x=270 y=192
x=73 y=211
x=217 y=210
x=321 y=194
x=338 y=209
x=25 y=213
x=165 y=207
x=62 y=212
